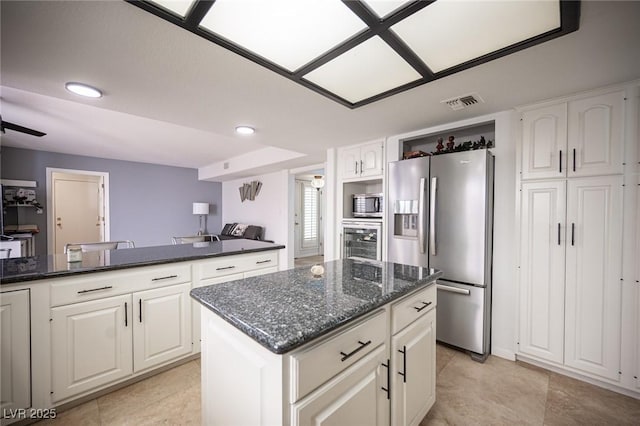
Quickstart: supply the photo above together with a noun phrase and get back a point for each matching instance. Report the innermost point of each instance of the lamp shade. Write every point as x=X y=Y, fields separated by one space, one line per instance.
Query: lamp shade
x=201 y=208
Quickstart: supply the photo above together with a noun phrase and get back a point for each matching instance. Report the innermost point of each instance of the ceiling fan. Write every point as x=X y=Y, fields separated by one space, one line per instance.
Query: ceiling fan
x=11 y=126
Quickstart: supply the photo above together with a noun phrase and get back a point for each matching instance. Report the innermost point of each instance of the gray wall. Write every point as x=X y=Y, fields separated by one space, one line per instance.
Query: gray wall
x=148 y=203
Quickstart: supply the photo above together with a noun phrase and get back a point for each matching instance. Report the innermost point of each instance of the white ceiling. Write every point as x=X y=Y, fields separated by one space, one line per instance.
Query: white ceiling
x=174 y=98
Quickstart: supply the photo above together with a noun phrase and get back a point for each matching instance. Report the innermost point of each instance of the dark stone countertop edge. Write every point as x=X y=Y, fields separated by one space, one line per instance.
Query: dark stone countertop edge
x=348 y=317
x=97 y=269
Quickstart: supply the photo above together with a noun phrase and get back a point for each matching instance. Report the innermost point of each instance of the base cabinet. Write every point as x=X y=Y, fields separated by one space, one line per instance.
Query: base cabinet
x=162 y=326
x=101 y=341
x=413 y=358
x=91 y=345
x=354 y=397
x=15 y=351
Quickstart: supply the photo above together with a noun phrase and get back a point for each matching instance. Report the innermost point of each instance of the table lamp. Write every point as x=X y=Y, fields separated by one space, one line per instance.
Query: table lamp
x=202 y=210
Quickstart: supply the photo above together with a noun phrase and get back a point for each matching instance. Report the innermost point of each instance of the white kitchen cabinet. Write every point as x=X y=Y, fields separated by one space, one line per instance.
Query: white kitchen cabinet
x=413 y=358
x=161 y=325
x=594 y=269
x=542 y=269
x=91 y=345
x=581 y=137
x=354 y=397
x=362 y=160
x=15 y=350
x=570 y=269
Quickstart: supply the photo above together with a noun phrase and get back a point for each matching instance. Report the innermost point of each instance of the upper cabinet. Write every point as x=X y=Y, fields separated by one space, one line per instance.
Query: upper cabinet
x=583 y=137
x=362 y=161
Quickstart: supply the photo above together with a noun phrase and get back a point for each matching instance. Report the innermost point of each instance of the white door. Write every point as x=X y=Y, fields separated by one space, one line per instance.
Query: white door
x=542 y=273
x=413 y=360
x=371 y=159
x=544 y=142
x=307 y=219
x=354 y=397
x=78 y=209
x=350 y=162
x=15 y=350
x=594 y=268
x=90 y=345
x=161 y=325
x=596 y=131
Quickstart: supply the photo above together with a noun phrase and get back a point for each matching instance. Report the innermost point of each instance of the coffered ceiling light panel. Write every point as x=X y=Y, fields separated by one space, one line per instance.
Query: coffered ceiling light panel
x=366 y=70
x=289 y=33
x=360 y=51
x=179 y=7
x=451 y=32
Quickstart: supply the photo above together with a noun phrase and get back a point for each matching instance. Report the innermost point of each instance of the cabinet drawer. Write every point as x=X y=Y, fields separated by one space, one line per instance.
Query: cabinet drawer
x=318 y=363
x=98 y=286
x=267 y=259
x=228 y=265
x=412 y=307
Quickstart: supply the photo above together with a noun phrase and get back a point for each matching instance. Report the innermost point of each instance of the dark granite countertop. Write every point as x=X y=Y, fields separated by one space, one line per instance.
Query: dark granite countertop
x=22 y=269
x=287 y=309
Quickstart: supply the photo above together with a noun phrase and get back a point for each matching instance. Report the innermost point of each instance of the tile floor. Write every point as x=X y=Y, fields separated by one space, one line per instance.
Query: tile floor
x=308 y=261
x=498 y=392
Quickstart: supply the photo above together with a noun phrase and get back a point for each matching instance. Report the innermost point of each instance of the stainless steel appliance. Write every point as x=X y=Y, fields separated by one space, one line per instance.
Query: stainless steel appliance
x=361 y=240
x=368 y=205
x=441 y=216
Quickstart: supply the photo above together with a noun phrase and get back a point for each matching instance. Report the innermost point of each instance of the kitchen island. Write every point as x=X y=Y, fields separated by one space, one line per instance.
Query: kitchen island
x=346 y=342
x=70 y=330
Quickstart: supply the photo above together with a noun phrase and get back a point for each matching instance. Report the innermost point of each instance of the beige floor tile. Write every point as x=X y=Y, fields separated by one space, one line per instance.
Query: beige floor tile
x=573 y=402
x=444 y=355
x=86 y=414
x=124 y=403
x=498 y=392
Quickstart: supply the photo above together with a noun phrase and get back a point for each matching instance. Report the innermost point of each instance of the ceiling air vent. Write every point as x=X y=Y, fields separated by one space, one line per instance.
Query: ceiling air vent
x=463 y=101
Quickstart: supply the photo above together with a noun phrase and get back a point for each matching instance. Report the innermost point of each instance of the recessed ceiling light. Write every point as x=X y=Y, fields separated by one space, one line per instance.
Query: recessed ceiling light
x=83 y=90
x=245 y=130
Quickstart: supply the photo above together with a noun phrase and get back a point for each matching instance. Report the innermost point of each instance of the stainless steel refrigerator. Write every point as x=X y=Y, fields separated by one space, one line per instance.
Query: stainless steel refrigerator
x=441 y=215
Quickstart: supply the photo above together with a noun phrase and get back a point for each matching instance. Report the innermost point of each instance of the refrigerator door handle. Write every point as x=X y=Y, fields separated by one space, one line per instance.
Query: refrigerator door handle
x=432 y=217
x=421 y=212
x=453 y=289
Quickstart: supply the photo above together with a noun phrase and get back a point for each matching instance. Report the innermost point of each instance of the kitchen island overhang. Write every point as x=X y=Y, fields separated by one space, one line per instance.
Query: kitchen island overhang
x=276 y=348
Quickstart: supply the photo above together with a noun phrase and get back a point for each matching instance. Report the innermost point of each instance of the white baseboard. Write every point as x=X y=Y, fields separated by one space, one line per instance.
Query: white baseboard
x=504 y=353
x=578 y=376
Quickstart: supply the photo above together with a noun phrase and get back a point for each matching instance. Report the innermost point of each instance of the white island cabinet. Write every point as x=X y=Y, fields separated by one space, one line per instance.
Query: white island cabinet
x=353 y=374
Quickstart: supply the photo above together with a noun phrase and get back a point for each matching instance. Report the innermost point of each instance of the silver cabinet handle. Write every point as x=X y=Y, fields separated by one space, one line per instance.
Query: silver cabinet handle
x=432 y=216
x=574 y=159
x=225 y=267
x=263 y=261
x=356 y=167
x=164 y=278
x=453 y=289
x=361 y=167
x=421 y=213
x=95 y=289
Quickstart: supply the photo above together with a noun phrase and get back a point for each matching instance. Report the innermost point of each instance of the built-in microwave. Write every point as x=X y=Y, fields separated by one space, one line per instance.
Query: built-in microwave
x=367 y=205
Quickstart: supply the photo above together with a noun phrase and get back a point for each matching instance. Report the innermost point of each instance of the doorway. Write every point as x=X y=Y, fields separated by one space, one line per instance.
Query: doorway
x=308 y=224
x=78 y=208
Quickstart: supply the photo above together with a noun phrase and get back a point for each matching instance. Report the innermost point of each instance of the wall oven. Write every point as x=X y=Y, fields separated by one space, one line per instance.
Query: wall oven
x=367 y=205
x=361 y=240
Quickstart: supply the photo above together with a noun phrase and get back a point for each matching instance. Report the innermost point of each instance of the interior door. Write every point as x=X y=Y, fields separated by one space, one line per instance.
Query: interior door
x=78 y=209
x=307 y=219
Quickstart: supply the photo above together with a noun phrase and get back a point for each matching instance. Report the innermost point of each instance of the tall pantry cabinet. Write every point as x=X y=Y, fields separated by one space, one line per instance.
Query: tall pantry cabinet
x=571 y=185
